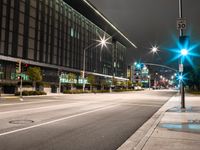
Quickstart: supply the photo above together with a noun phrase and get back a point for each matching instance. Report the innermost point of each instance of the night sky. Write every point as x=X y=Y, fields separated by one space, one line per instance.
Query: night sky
x=152 y=22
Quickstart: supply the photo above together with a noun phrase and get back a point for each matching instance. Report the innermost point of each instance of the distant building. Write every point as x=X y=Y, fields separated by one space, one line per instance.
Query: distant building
x=52 y=34
x=138 y=73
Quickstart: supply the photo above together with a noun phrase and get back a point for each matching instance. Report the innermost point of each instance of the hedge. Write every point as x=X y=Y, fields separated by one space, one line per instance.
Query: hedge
x=27 y=93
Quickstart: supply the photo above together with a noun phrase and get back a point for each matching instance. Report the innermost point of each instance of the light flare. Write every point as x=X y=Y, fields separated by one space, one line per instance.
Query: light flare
x=154 y=49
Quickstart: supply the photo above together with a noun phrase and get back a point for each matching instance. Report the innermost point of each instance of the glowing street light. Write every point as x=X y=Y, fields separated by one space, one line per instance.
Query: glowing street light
x=184 y=52
x=180 y=77
x=154 y=49
x=135 y=63
x=138 y=66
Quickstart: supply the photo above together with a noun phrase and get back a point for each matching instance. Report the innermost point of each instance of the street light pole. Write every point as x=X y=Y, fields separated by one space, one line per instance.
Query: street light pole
x=101 y=42
x=84 y=67
x=84 y=53
x=149 y=77
x=182 y=91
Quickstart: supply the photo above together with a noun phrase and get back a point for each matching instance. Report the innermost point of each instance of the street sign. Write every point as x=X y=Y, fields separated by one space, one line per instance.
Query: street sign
x=181 y=24
x=180 y=67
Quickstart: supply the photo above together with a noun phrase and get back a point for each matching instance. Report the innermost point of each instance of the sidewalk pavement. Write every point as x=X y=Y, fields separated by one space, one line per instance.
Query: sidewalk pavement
x=170 y=128
x=12 y=97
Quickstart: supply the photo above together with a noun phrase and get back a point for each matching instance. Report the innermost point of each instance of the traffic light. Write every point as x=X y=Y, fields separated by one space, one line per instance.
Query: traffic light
x=81 y=73
x=18 y=67
x=25 y=67
x=184 y=42
x=19 y=77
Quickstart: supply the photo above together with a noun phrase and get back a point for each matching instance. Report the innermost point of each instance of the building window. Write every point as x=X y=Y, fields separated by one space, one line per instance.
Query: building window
x=19 y=52
x=72 y=32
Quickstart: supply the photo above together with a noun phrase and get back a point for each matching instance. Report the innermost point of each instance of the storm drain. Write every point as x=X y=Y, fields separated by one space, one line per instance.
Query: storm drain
x=21 y=121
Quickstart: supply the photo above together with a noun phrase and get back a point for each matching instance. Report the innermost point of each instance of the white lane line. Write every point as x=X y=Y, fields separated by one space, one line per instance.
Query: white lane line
x=45 y=101
x=57 y=120
x=45 y=107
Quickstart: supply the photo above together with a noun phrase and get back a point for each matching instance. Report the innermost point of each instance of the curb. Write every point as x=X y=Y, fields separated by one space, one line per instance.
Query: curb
x=138 y=140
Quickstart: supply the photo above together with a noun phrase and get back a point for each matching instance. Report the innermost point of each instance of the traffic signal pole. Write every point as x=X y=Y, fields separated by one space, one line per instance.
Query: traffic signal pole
x=19 y=71
x=182 y=91
x=21 y=98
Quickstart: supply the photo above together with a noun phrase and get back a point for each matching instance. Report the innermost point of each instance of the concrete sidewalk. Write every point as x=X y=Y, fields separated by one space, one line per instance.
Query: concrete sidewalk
x=170 y=128
x=12 y=98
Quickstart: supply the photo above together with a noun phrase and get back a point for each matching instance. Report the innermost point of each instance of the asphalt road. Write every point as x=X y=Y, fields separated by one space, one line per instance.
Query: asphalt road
x=76 y=122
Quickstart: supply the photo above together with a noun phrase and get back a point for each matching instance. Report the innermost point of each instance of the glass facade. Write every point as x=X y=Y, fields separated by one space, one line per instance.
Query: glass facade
x=52 y=32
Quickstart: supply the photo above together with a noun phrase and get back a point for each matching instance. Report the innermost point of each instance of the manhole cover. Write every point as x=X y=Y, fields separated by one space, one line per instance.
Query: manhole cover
x=21 y=121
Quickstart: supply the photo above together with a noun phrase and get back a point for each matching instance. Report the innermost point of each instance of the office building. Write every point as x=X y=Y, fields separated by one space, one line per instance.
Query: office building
x=52 y=34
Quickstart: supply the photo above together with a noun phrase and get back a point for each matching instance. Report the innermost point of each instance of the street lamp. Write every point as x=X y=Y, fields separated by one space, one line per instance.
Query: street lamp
x=138 y=66
x=154 y=49
x=102 y=42
x=180 y=77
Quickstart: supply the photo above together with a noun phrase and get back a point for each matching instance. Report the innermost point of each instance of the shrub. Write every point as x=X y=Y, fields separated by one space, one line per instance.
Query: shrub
x=194 y=92
x=100 y=91
x=31 y=92
x=43 y=93
x=17 y=94
x=27 y=93
x=75 y=92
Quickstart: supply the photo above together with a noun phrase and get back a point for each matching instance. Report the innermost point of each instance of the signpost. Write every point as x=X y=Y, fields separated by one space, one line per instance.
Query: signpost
x=181 y=68
x=181 y=24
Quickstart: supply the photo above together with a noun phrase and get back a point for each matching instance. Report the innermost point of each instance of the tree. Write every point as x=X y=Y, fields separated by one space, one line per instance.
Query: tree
x=129 y=83
x=91 y=80
x=71 y=78
x=34 y=74
x=114 y=81
x=139 y=84
x=104 y=83
x=123 y=83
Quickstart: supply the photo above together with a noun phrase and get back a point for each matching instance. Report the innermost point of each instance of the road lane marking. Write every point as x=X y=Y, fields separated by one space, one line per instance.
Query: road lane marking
x=44 y=107
x=24 y=103
x=57 y=120
x=69 y=105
